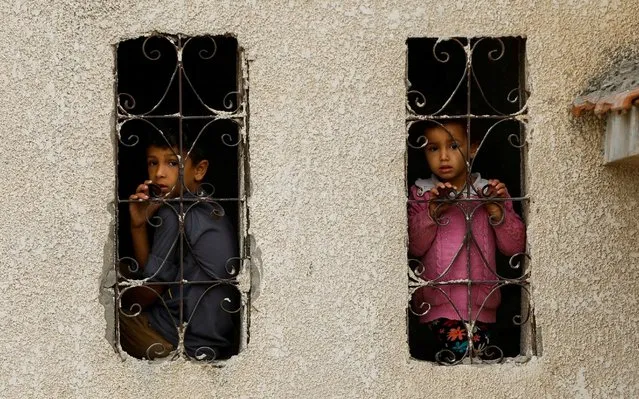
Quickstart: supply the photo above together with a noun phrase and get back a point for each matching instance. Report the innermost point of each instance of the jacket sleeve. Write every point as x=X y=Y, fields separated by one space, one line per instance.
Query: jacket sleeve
x=510 y=234
x=422 y=229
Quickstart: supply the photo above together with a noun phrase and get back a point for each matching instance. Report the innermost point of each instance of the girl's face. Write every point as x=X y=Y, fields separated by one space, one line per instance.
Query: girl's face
x=447 y=152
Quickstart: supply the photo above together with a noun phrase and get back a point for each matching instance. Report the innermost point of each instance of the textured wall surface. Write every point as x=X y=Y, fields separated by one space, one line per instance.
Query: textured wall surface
x=327 y=138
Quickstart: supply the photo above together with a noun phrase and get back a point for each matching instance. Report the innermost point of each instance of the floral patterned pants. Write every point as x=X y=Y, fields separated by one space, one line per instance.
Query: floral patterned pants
x=452 y=335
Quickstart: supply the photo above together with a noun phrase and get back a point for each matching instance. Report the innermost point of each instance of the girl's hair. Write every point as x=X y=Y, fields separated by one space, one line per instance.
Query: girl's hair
x=458 y=111
x=476 y=130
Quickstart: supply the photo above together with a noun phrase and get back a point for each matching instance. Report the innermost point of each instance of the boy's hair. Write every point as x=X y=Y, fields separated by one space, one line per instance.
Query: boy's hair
x=171 y=139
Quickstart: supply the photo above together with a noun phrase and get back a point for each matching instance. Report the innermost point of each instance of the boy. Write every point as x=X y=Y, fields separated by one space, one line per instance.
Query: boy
x=206 y=301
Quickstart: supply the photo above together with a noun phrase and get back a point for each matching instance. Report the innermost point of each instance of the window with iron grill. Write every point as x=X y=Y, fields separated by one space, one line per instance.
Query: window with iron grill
x=469 y=288
x=181 y=101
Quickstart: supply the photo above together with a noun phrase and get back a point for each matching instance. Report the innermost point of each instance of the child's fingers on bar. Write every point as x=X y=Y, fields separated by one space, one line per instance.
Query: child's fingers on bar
x=142 y=188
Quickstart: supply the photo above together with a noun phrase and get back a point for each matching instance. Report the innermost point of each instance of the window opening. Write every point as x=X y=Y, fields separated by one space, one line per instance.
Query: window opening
x=181 y=191
x=468 y=269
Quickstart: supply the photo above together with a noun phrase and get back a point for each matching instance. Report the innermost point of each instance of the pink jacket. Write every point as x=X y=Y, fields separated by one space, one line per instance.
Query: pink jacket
x=442 y=251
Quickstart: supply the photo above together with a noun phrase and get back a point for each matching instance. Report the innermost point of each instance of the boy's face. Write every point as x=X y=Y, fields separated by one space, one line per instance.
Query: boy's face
x=164 y=170
x=447 y=152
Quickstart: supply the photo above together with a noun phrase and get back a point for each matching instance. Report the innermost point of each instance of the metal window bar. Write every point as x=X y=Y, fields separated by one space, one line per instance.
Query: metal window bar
x=234 y=109
x=424 y=106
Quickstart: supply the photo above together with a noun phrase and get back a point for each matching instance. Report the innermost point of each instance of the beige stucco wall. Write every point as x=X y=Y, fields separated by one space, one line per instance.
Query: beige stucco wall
x=327 y=207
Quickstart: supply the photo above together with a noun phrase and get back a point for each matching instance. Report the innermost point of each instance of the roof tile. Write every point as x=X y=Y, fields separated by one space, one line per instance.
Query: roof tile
x=616 y=91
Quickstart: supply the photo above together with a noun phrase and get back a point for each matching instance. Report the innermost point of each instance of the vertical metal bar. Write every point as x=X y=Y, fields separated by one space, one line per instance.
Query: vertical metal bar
x=408 y=111
x=527 y=330
x=181 y=185
x=469 y=65
x=521 y=48
x=469 y=322
x=242 y=71
x=116 y=204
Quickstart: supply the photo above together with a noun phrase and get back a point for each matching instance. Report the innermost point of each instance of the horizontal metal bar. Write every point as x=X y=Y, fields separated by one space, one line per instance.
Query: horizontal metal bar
x=521 y=116
x=142 y=282
x=474 y=199
x=189 y=200
x=127 y=117
x=509 y=281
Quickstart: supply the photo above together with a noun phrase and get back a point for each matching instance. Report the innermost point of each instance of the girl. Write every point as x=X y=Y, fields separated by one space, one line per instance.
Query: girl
x=454 y=231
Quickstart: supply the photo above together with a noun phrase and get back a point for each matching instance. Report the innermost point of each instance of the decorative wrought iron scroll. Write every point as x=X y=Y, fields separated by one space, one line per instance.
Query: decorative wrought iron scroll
x=480 y=82
x=213 y=112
